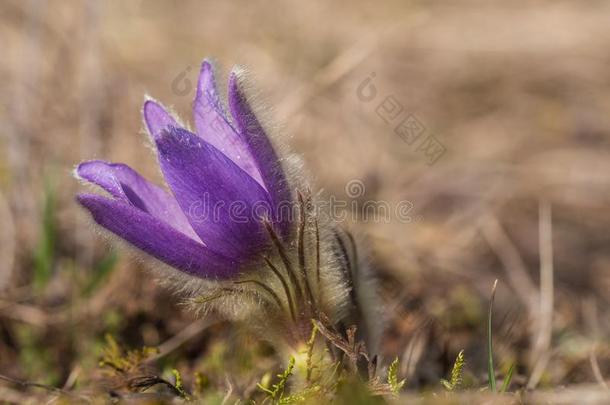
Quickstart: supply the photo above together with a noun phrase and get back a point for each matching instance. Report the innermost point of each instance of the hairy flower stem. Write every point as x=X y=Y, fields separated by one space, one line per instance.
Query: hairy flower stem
x=299 y=274
x=301 y=251
x=281 y=250
x=347 y=269
x=291 y=304
x=349 y=255
x=318 y=281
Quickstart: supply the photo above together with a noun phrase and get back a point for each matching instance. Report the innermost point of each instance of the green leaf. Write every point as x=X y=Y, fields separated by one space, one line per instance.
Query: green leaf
x=490 y=359
x=508 y=378
x=44 y=255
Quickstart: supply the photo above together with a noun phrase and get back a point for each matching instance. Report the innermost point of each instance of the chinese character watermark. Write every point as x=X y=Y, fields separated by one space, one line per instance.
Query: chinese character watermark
x=405 y=124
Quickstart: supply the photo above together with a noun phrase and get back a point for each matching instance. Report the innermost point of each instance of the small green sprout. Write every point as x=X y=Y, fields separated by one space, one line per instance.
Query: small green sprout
x=115 y=358
x=276 y=393
x=310 y=344
x=395 y=385
x=178 y=384
x=455 y=380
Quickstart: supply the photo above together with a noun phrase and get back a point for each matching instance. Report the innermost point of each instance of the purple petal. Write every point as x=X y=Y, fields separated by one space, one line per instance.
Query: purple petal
x=125 y=184
x=212 y=125
x=218 y=197
x=261 y=149
x=157 y=238
x=157 y=118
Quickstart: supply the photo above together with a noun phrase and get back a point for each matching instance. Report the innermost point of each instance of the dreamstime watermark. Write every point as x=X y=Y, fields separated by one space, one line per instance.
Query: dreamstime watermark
x=355 y=208
x=406 y=125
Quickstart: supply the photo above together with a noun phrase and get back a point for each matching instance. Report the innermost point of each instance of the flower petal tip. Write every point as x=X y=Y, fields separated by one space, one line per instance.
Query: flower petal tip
x=206 y=81
x=207 y=66
x=238 y=76
x=98 y=172
x=84 y=170
x=157 y=118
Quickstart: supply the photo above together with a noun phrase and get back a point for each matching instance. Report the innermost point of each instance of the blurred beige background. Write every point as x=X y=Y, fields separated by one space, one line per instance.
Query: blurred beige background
x=517 y=93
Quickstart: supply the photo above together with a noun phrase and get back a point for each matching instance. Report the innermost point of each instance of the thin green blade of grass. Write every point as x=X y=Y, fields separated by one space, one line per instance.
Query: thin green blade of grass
x=507 y=379
x=490 y=360
x=44 y=254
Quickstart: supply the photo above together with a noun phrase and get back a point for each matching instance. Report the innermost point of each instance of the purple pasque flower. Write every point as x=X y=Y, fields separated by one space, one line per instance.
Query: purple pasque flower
x=223 y=180
x=222 y=220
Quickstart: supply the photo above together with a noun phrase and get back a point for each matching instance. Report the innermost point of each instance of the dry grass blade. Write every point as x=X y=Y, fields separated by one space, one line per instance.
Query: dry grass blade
x=597 y=373
x=541 y=349
x=513 y=264
x=186 y=334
